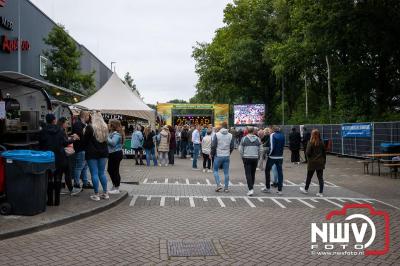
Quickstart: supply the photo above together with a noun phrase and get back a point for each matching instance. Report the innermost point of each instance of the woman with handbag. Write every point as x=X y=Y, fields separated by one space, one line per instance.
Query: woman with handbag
x=53 y=138
x=115 y=142
x=163 y=148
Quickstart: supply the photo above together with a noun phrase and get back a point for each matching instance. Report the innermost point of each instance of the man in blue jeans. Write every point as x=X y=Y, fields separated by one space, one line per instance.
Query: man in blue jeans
x=80 y=167
x=196 y=146
x=277 y=145
x=222 y=147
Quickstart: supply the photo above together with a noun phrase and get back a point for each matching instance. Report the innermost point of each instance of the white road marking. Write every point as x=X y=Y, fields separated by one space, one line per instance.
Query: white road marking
x=166 y=181
x=162 y=202
x=260 y=200
x=287 y=183
x=356 y=201
x=334 y=203
x=187 y=182
x=176 y=198
x=148 y=197
x=278 y=203
x=368 y=201
x=133 y=201
x=233 y=199
x=205 y=199
x=191 y=201
x=314 y=200
x=341 y=200
x=155 y=182
x=251 y=204
x=314 y=184
x=221 y=202
x=198 y=183
x=290 y=182
x=208 y=182
x=287 y=200
x=262 y=184
x=306 y=203
x=176 y=182
x=329 y=183
x=145 y=180
x=240 y=183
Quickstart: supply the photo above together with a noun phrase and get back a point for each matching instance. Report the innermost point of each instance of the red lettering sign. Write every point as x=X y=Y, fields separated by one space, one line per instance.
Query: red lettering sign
x=2 y=3
x=10 y=46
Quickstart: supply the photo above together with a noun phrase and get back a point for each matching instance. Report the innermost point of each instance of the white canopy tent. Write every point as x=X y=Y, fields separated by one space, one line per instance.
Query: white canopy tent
x=117 y=98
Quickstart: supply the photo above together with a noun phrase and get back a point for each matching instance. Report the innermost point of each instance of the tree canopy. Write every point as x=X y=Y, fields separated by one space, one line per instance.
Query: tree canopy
x=265 y=45
x=64 y=68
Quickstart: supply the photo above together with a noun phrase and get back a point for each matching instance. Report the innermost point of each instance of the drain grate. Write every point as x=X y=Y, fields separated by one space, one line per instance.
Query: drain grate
x=191 y=248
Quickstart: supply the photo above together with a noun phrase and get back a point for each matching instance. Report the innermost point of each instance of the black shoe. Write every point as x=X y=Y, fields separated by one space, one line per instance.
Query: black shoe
x=141 y=163
x=137 y=163
x=87 y=186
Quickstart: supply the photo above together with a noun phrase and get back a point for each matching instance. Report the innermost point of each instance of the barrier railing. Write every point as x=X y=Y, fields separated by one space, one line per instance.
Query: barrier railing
x=381 y=132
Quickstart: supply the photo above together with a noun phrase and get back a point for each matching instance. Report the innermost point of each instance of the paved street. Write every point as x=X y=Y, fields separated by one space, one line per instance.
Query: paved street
x=176 y=203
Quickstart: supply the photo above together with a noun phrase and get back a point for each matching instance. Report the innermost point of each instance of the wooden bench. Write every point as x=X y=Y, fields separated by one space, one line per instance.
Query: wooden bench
x=366 y=165
x=394 y=167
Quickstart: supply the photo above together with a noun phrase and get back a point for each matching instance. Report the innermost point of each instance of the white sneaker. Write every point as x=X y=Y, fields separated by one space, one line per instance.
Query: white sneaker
x=191 y=159
x=105 y=196
x=266 y=190
x=204 y=170
x=303 y=190
x=279 y=192
x=114 y=191
x=319 y=195
x=160 y=165
x=250 y=193
x=166 y=165
x=95 y=197
x=209 y=171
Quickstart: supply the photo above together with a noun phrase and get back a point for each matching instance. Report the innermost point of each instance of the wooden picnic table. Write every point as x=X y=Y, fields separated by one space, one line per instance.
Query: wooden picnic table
x=379 y=157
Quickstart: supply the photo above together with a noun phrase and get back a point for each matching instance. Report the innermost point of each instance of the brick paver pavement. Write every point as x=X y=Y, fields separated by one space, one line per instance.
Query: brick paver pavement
x=137 y=231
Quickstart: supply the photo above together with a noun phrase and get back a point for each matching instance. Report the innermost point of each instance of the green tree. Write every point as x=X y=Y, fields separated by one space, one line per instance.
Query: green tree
x=64 y=68
x=131 y=83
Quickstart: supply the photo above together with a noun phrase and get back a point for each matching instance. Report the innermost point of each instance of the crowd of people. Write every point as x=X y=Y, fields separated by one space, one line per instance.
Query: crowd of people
x=93 y=144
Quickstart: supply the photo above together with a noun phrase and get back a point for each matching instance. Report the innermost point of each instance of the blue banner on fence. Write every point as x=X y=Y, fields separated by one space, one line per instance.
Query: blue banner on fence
x=356 y=130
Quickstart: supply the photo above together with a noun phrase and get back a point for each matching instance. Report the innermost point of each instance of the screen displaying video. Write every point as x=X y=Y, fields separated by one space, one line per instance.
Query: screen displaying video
x=249 y=114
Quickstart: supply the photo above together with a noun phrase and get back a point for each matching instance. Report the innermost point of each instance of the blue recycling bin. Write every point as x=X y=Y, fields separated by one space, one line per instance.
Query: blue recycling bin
x=390 y=147
x=26 y=173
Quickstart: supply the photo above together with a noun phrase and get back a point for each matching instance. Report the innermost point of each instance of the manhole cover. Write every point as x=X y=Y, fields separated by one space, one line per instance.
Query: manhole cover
x=191 y=248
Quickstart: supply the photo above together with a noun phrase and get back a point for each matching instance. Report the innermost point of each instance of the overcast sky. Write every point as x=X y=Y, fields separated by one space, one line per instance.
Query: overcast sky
x=151 y=39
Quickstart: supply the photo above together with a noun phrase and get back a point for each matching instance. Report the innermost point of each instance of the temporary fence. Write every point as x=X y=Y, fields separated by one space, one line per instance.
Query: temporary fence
x=363 y=139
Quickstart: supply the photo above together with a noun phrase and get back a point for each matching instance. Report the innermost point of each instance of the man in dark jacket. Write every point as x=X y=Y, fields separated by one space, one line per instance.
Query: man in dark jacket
x=52 y=138
x=306 y=139
x=277 y=145
x=80 y=167
x=295 y=145
x=184 y=142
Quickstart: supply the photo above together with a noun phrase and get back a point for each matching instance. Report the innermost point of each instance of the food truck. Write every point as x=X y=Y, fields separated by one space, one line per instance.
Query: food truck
x=24 y=103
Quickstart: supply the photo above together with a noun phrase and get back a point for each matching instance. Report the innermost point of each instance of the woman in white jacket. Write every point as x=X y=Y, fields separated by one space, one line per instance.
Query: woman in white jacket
x=206 y=150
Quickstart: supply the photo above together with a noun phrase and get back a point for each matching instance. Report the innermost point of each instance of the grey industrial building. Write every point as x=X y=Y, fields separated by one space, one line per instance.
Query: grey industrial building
x=22 y=18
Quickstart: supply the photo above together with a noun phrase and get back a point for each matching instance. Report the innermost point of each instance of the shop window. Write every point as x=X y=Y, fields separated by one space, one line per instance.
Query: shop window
x=43 y=66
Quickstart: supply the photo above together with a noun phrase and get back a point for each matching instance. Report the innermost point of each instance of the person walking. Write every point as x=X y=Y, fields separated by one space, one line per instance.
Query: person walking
x=196 y=146
x=249 y=149
x=80 y=164
x=221 y=148
x=163 y=147
x=295 y=145
x=206 y=151
x=316 y=155
x=115 y=141
x=149 y=146
x=137 y=145
x=172 y=146
x=53 y=138
x=262 y=134
x=96 y=154
x=190 y=140
x=305 y=140
x=184 y=142
x=277 y=144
